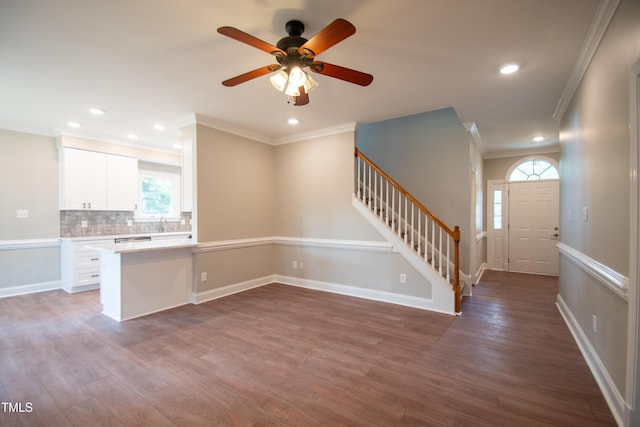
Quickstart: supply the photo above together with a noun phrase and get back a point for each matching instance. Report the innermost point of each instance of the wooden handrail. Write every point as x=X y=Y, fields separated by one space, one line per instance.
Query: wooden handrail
x=406 y=194
x=454 y=233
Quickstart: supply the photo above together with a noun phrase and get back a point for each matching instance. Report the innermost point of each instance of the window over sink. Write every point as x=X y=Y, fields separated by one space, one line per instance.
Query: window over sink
x=158 y=192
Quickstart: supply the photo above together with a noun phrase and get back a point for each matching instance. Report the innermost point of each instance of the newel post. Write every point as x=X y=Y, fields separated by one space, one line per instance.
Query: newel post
x=456 y=264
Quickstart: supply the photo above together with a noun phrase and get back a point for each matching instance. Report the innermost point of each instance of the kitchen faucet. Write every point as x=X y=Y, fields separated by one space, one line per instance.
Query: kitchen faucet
x=163 y=224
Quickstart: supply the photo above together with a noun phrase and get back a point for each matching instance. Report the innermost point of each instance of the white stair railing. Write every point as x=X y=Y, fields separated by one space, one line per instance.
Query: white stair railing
x=427 y=235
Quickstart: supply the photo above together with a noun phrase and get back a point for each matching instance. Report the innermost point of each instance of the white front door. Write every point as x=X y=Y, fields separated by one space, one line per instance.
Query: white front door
x=533 y=227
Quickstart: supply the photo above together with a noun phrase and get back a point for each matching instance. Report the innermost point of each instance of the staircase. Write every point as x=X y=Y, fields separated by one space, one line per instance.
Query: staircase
x=424 y=240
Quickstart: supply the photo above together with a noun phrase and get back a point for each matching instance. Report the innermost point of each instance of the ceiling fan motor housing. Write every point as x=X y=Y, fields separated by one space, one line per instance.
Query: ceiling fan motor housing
x=295 y=29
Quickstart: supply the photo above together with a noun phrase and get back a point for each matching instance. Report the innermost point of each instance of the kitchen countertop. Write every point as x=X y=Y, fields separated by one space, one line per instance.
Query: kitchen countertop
x=114 y=236
x=143 y=246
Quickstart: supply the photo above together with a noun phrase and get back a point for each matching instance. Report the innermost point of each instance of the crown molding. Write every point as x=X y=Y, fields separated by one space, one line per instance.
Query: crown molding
x=475 y=134
x=199 y=119
x=328 y=131
x=524 y=152
x=596 y=32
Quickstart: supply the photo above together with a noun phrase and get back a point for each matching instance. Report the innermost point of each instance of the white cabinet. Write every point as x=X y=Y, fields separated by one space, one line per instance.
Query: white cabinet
x=97 y=181
x=83 y=180
x=80 y=267
x=122 y=183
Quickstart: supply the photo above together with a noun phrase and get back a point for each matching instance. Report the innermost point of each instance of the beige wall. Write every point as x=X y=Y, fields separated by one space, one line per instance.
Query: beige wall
x=248 y=190
x=315 y=183
x=29 y=176
x=594 y=171
x=235 y=186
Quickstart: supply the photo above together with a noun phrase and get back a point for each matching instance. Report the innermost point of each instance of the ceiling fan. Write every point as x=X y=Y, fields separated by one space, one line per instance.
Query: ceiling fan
x=295 y=53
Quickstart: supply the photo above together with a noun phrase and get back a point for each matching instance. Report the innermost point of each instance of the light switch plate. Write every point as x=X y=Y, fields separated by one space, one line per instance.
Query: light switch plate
x=22 y=213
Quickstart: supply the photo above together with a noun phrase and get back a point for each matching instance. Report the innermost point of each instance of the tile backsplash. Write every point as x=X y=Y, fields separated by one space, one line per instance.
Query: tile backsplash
x=107 y=223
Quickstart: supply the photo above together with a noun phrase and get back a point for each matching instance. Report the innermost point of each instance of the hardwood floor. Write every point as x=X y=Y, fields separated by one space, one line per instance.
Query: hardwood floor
x=283 y=356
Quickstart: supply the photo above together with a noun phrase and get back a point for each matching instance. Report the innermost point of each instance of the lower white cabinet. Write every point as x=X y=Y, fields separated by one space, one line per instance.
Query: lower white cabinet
x=80 y=267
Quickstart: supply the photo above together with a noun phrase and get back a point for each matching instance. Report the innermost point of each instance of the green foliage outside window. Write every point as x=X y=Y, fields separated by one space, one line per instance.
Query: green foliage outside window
x=156 y=196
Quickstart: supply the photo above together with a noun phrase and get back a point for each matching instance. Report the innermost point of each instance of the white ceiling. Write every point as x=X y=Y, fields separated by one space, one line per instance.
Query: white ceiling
x=149 y=61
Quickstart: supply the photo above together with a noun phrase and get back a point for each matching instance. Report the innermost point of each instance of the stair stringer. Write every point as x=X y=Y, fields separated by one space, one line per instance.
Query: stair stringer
x=442 y=295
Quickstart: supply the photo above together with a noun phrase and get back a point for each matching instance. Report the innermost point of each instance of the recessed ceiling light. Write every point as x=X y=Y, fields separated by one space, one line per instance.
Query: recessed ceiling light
x=159 y=126
x=96 y=111
x=132 y=136
x=73 y=124
x=509 y=69
x=293 y=121
x=538 y=138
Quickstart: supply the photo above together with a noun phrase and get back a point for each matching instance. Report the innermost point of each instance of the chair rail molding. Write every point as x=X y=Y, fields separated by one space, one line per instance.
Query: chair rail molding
x=615 y=281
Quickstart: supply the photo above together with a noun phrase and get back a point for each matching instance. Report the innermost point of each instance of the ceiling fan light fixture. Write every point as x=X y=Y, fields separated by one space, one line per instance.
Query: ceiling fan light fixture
x=297 y=77
x=279 y=80
x=310 y=84
x=292 y=90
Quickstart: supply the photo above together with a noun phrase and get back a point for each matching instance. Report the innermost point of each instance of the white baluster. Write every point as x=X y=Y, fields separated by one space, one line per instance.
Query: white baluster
x=412 y=226
x=358 y=178
x=447 y=268
x=375 y=192
x=440 y=251
x=396 y=215
x=369 y=202
x=381 y=198
x=386 y=194
x=406 y=202
x=433 y=243
x=426 y=239
x=419 y=229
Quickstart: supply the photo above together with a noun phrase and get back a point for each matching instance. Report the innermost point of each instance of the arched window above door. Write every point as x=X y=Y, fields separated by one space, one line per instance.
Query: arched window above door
x=533 y=169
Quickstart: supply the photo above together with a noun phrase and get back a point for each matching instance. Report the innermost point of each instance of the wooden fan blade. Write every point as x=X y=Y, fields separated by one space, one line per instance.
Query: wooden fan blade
x=342 y=73
x=303 y=98
x=251 y=75
x=329 y=36
x=243 y=37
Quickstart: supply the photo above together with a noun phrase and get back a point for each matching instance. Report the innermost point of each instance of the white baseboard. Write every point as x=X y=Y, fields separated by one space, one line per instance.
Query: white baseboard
x=29 y=289
x=200 y=297
x=611 y=394
x=370 y=294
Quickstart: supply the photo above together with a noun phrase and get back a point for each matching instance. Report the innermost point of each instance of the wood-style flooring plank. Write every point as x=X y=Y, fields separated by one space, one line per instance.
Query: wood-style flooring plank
x=287 y=356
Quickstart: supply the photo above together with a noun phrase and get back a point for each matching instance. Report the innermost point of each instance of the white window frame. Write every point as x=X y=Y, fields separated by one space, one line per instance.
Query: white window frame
x=549 y=160
x=174 y=177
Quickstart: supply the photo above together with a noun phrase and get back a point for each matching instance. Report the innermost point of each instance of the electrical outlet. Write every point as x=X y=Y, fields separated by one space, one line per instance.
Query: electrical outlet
x=203 y=276
x=403 y=278
x=585 y=213
x=301 y=265
x=83 y=223
x=182 y=221
x=595 y=324
x=295 y=265
x=130 y=223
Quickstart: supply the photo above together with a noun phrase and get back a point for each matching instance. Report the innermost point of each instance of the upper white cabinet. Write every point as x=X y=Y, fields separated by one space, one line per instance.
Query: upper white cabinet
x=83 y=180
x=97 y=181
x=122 y=183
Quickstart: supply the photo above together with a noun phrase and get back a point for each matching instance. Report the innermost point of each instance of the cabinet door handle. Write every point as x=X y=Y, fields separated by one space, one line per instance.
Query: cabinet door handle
x=95 y=275
x=95 y=259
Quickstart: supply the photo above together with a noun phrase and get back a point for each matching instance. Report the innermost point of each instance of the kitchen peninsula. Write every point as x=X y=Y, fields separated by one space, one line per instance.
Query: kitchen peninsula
x=140 y=278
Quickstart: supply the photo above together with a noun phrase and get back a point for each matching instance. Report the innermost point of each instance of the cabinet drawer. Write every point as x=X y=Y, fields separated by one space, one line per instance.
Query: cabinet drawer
x=84 y=276
x=87 y=258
